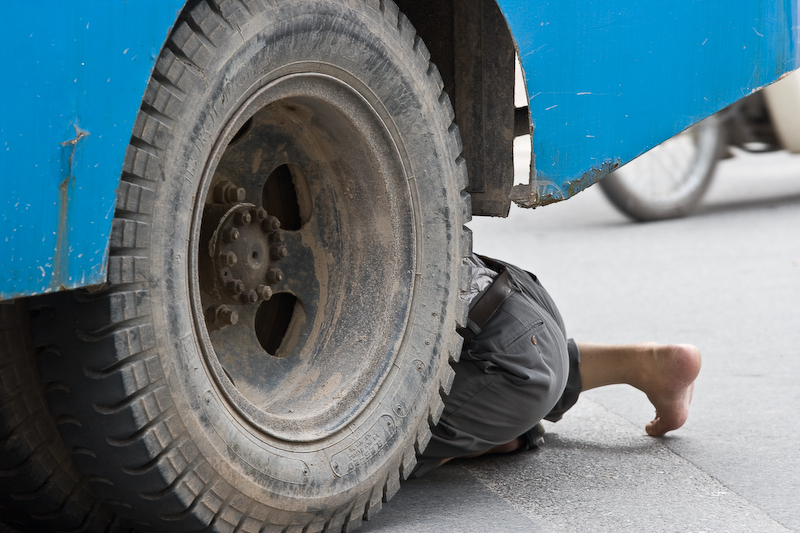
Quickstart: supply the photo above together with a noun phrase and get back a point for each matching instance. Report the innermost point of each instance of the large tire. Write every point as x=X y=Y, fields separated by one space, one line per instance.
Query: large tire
x=301 y=149
x=671 y=179
x=41 y=489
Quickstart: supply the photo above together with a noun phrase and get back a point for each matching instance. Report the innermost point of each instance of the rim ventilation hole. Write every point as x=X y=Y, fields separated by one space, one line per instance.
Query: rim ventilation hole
x=272 y=321
x=285 y=195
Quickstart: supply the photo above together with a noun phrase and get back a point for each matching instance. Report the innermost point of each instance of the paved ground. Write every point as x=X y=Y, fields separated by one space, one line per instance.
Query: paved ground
x=726 y=279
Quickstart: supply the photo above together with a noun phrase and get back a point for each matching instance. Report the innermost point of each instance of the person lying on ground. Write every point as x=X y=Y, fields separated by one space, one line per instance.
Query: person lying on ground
x=518 y=367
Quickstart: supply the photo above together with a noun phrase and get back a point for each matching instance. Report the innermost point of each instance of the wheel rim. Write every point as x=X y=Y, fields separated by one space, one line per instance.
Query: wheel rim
x=302 y=269
x=673 y=170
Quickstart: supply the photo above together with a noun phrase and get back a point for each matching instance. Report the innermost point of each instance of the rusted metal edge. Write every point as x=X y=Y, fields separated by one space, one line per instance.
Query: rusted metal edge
x=541 y=192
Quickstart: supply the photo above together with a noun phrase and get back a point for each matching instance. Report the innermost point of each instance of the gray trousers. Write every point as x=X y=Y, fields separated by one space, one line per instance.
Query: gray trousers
x=519 y=369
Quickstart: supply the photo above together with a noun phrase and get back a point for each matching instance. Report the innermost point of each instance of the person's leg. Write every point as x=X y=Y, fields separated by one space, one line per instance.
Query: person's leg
x=665 y=373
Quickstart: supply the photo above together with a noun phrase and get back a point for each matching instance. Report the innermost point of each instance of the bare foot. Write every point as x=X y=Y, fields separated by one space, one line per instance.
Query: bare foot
x=668 y=381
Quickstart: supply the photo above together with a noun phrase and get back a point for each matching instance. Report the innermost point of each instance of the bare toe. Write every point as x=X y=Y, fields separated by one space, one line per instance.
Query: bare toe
x=674 y=415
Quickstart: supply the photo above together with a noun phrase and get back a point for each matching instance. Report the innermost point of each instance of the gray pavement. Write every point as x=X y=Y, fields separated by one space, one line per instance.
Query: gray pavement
x=726 y=279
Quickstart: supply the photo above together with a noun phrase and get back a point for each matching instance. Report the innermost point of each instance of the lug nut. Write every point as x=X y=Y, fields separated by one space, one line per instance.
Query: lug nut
x=230 y=235
x=264 y=292
x=227 y=259
x=278 y=252
x=220 y=316
x=270 y=224
x=278 y=236
x=251 y=297
x=228 y=193
x=235 y=195
x=235 y=287
x=225 y=316
x=274 y=275
x=242 y=218
x=259 y=214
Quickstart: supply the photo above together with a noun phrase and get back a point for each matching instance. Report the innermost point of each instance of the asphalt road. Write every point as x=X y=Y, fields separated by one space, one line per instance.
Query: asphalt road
x=726 y=279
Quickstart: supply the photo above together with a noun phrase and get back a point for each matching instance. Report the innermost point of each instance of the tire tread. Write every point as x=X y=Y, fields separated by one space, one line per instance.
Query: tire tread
x=40 y=486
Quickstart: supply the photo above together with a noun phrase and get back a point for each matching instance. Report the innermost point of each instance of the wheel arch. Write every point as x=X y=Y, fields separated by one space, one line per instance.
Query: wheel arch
x=472 y=46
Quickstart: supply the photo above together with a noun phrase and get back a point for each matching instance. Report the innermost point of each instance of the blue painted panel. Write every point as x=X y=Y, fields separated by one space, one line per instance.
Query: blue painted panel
x=73 y=71
x=609 y=79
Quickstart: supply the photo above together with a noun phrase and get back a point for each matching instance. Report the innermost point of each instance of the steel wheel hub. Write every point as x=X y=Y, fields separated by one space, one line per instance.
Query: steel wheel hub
x=304 y=272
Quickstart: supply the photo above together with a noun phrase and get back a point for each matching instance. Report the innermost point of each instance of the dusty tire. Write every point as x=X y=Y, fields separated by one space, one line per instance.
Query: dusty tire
x=319 y=132
x=41 y=489
x=671 y=179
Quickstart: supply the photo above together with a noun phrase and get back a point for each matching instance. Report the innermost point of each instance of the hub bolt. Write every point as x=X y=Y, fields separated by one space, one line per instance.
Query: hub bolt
x=270 y=224
x=230 y=235
x=251 y=297
x=259 y=214
x=226 y=316
x=228 y=193
x=235 y=287
x=220 y=316
x=242 y=218
x=278 y=252
x=278 y=236
x=274 y=275
x=227 y=259
x=264 y=292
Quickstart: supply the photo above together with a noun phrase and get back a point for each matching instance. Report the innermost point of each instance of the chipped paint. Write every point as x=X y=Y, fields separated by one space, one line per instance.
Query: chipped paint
x=573 y=187
x=543 y=192
x=59 y=195
x=66 y=190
